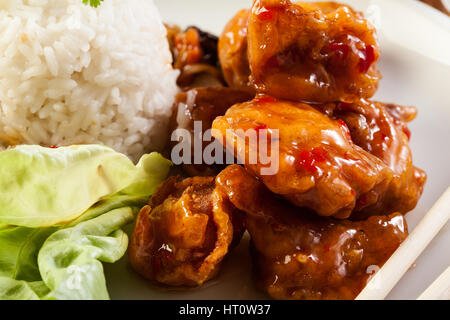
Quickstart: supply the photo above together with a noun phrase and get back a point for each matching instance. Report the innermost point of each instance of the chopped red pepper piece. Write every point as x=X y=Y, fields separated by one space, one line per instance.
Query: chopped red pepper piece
x=407 y=131
x=265 y=99
x=339 y=49
x=345 y=129
x=261 y=127
x=368 y=60
x=265 y=14
x=309 y=159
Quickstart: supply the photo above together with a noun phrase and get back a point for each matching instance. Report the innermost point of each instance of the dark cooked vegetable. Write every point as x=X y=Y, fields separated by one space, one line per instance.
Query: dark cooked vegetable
x=208 y=44
x=194 y=53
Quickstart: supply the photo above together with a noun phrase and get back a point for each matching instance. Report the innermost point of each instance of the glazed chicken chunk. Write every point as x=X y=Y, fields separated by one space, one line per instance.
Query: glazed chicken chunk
x=233 y=45
x=319 y=166
x=381 y=130
x=181 y=237
x=202 y=105
x=298 y=255
x=319 y=52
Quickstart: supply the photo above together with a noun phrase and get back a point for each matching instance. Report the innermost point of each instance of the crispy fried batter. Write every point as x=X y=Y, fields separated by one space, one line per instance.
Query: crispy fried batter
x=181 y=238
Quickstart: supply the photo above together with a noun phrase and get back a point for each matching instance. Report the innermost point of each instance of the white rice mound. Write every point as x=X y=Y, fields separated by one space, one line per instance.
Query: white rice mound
x=73 y=74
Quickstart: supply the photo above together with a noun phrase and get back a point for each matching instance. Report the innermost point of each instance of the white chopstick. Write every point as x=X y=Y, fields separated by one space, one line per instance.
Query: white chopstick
x=440 y=289
x=387 y=277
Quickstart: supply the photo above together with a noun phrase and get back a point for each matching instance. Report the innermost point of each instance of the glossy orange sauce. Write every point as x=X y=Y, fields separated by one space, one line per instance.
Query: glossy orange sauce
x=298 y=255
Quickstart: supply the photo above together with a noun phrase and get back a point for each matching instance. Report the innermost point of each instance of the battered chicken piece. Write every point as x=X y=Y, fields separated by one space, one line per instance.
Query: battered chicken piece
x=298 y=255
x=181 y=238
x=319 y=165
x=402 y=114
x=203 y=105
x=318 y=52
x=374 y=129
x=233 y=52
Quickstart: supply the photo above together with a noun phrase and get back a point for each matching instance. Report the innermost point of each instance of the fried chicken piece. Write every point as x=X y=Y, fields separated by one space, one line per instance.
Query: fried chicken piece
x=318 y=52
x=298 y=255
x=181 y=238
x=203 y=105
x=319 y=165
x=400 y=113
x=233 y=52
x=374 y=129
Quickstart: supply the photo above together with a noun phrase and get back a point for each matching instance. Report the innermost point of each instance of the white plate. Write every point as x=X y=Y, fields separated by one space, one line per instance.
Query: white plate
x=415 y=42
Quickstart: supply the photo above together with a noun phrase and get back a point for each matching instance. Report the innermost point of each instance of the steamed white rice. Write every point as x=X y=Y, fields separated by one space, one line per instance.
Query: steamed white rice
x=72 y=74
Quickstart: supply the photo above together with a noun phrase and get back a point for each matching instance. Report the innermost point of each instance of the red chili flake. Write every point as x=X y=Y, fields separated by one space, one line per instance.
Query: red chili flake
x=348 y=156
x=326 y=247
x=309 y=159
x=320 y=154
x=261 y=127
x=268 y=12
x=384 y=137
x=404 y=127
x=306 y=161
x=265 y=99
x=265 y=14
x=53 y=147
x=407 y=131
x=368 y=60
x=345 y=129
x=339 y=49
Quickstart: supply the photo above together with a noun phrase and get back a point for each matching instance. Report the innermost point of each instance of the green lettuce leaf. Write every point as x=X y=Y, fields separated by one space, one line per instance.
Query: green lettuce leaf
x=65 y=261
x=19 y=250
x=11 y=289
x=152 y=170
x=70 y=259
x=42 y=187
